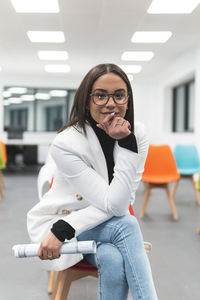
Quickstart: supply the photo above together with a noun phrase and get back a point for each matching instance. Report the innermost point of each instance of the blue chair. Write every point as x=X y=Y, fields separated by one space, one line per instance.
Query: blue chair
x=188 y=163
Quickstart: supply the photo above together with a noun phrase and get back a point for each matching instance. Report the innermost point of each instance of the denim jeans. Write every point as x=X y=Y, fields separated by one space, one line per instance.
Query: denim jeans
x=121 y=260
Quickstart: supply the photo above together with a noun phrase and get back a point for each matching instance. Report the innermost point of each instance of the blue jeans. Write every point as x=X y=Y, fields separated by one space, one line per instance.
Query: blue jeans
x=121 y=260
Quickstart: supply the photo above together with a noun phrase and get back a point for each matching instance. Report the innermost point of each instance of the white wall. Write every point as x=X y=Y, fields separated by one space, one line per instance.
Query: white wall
x=153 y=100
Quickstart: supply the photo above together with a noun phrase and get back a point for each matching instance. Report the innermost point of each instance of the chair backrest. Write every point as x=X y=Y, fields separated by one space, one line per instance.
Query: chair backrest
x=44 y=180
x=2 y=162
x=160 y=165
x=4 y=152
x=187 y=158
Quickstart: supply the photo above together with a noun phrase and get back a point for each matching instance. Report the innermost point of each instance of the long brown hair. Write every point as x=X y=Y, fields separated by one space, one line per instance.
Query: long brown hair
x=78 y=113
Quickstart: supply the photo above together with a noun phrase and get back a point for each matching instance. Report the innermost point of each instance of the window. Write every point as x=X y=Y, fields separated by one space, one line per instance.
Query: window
x=36 y=109
x=183 y=107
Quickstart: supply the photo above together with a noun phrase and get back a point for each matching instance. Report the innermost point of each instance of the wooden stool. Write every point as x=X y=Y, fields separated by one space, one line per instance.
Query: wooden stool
x=65 y=278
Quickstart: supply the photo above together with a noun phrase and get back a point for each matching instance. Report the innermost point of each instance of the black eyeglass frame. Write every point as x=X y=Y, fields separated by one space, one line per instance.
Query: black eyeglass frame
x=109 y=95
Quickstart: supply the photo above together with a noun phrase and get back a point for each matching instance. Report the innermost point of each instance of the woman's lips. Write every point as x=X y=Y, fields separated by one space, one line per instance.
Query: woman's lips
x=109 y=112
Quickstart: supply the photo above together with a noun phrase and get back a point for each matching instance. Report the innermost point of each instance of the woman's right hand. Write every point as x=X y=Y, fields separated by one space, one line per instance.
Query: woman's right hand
x=116 y=127
x=50 y=247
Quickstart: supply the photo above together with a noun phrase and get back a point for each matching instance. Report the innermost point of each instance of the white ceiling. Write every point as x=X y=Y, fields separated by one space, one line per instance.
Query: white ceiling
x=96 y=31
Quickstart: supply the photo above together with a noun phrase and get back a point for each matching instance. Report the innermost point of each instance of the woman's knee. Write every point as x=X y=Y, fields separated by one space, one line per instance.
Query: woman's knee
x=127 y=222
x=110 y=262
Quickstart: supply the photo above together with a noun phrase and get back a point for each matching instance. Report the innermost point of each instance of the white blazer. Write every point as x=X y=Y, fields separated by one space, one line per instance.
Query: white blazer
x=81 y=194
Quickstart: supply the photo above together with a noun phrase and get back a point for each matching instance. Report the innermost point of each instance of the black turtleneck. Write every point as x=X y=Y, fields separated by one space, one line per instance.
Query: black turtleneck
x=63 y=230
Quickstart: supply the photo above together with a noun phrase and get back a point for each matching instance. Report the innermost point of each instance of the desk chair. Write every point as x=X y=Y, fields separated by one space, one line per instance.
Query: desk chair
x=160 y=169
x=82 y=269
x=188 y=163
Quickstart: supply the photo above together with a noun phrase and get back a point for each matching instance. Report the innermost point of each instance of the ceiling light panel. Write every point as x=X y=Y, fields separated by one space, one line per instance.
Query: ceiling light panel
x=172 y=6
x=27 y=98
x=137 y=55
x=151 y=36
x=42 y=96
x=46 y=36
x=35 y=6
x=57 y=68
x=58 y=93
x=53 y=55
x=129 y=69
x=17 y=90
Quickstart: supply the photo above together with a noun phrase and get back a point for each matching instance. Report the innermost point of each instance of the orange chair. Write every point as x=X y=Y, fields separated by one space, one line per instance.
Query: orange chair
x=160 y=169
x=3 y=161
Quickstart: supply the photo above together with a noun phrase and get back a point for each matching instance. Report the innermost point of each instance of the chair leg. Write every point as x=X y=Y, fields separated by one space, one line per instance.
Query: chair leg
x=51 y=281
x=174 y=188
x=145 y=200
x=196 y=190
x=171 y=203
x=1 y=190
x=198 y=230
x=62 y=286
x=2 y=179
x=64 y=281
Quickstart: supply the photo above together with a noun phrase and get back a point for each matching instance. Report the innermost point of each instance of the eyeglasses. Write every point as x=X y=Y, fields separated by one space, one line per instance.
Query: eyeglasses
x=100 y=98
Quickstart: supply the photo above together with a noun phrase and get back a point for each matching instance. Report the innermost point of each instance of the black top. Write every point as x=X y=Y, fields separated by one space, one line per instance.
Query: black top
x=63 y=230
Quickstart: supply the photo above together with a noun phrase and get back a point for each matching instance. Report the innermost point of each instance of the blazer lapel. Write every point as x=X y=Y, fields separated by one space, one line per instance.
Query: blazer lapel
x=97 y=153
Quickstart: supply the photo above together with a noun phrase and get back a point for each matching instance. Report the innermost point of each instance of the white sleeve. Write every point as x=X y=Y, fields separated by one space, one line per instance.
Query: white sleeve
x=113 y=199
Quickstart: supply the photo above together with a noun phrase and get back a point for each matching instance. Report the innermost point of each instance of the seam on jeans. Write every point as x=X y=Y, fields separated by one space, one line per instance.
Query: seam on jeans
x=99 y=276
x=132 y=267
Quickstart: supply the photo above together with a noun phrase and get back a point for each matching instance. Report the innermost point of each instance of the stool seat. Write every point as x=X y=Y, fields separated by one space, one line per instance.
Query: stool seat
x=83 y=265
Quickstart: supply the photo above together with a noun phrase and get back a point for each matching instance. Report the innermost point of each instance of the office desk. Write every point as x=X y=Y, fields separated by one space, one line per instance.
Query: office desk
x=27 y=150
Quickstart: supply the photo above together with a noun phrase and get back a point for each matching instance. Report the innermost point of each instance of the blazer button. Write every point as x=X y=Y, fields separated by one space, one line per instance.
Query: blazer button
x=79 y=197
x=65 y=212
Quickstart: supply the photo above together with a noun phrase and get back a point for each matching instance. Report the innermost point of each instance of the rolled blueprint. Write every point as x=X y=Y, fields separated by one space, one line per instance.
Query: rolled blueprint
x=30 y=250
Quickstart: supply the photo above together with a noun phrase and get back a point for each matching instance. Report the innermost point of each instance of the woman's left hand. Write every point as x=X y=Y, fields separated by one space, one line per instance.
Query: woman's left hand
x=116 y=127
x=50 y=247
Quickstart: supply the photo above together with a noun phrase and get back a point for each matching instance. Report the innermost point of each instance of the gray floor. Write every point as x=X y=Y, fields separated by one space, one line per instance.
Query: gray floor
x=175 y=257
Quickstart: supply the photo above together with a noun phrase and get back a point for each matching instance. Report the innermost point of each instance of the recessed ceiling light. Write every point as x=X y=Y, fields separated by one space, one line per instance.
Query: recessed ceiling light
x=58 y=93
x=15 y=100
x=151 y=36
x=35 y=6
x=27 y=97
x=137 y=55
x=130 y=77
x=17 y=90
x=172 y=6
x=46 y=36
x=131 y=68
x=6 y=102
x=42 y=96
x=57 y=68
x=7 y=94
x=53 y=55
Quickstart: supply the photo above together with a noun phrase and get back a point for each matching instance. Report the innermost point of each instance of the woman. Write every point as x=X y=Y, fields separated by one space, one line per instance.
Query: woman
x=98 y=159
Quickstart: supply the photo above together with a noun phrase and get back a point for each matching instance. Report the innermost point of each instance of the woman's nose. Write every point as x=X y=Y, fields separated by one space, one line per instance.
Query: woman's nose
x=110 y=102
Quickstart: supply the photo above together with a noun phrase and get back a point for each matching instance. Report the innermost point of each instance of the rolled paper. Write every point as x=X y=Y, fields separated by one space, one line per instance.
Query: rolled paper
x=30 y=250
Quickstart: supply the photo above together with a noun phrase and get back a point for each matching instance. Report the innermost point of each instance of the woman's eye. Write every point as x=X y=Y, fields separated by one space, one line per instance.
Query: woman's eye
x=101 y=96
x=119 y=96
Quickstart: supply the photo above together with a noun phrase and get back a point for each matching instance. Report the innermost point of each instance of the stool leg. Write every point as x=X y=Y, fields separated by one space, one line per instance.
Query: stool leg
x=145 y=200
x=62 y=286
x=171 y=203
x=51 y=281
x=196 y=190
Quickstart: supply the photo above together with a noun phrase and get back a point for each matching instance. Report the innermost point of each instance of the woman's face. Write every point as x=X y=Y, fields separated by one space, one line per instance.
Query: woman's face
x=108 y=83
